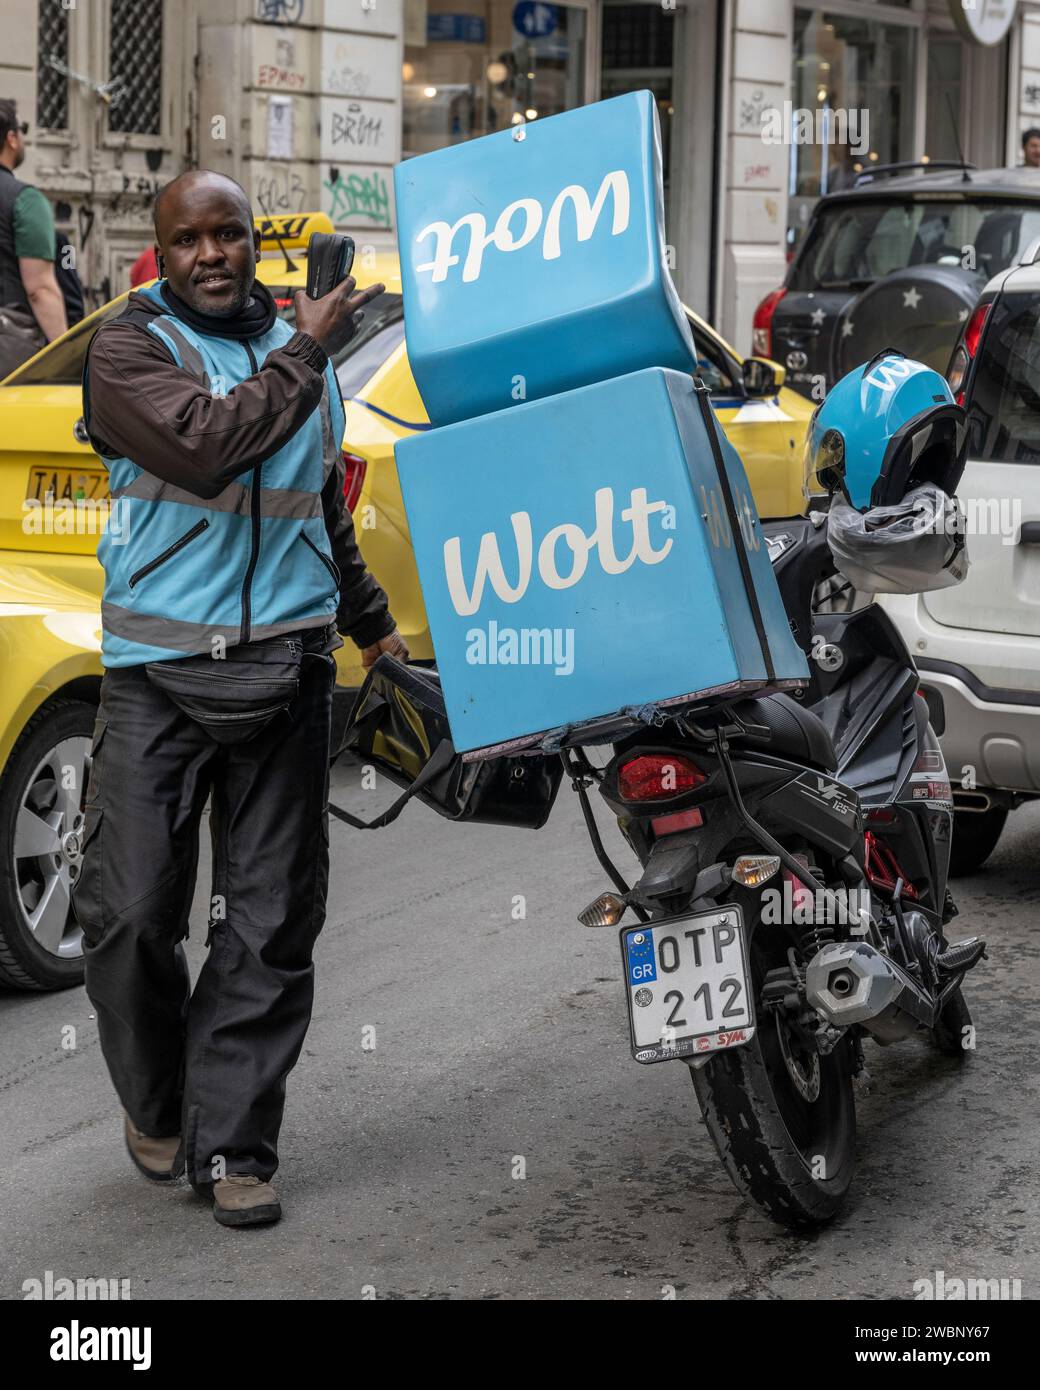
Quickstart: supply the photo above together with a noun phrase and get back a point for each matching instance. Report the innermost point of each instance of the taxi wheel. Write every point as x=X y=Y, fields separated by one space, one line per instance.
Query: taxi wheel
x=41 y=792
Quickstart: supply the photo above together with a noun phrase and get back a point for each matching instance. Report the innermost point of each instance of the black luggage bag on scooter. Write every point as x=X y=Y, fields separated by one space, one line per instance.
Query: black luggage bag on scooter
x=399 y=726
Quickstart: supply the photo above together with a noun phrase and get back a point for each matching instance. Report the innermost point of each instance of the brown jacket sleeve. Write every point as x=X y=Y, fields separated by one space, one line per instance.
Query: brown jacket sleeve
x=363 y=613
x=143 y=406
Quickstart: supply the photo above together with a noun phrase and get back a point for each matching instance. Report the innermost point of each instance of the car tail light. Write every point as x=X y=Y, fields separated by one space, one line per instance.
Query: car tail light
x=655 y=776
x=762 y=324
x=973 y=332
x=964 y=355
x=354 y=479
x=678 y=820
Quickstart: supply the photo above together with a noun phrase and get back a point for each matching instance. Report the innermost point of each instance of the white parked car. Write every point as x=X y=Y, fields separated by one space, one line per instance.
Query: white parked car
x=978 y=644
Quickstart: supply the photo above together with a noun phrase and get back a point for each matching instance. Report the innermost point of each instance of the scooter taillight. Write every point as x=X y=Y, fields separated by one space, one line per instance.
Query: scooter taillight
x=657 y=776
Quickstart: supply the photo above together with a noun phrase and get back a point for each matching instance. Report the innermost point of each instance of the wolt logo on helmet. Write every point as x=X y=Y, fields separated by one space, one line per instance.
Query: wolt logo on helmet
x=887 y=375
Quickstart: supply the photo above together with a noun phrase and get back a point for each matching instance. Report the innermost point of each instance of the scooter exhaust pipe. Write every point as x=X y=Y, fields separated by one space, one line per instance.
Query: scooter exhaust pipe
x=851 y=982
x=972 y=801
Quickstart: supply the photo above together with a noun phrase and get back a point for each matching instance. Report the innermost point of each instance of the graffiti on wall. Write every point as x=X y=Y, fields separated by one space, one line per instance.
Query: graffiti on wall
x=357 y=195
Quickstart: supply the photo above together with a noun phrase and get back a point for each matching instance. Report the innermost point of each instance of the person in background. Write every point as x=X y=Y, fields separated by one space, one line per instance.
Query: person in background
x=144 y=269
x=32 y=307
x=68 y=278
x=1031 y=148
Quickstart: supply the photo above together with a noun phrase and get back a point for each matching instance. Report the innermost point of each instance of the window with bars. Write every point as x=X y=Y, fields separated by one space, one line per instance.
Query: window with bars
x=52 y=83
x=637 y=36
x=135 y=67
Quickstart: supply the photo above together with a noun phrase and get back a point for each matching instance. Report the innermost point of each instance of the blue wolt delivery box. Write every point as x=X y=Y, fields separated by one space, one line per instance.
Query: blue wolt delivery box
x=590 y=552
x=533 y=260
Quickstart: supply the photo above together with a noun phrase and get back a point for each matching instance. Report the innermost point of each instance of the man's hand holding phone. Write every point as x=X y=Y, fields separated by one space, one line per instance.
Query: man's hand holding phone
x=334 y=319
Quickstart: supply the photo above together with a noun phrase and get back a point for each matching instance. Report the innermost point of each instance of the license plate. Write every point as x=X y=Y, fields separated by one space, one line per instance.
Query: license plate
x=75 y=484
x=688 y=983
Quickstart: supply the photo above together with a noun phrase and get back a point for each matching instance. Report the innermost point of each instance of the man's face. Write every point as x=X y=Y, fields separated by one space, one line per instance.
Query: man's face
x=1032 y=152
x=210 y=247
x=14 y=145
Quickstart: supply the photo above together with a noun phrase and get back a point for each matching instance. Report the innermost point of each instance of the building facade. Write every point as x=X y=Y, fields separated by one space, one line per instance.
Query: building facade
x=310 y=103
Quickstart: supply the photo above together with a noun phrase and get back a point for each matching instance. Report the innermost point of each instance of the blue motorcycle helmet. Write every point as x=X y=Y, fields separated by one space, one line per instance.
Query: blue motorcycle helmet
x=885 y=428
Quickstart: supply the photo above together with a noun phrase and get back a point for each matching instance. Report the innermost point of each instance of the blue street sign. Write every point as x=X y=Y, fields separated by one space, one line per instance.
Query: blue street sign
x=455 y=28
x=534 y=19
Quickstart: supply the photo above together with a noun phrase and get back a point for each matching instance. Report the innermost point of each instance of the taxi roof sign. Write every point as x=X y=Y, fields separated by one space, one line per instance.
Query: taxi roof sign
x=294 y=229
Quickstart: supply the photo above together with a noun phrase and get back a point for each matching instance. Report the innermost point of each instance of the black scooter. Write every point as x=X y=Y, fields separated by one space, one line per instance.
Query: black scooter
x=793 y=898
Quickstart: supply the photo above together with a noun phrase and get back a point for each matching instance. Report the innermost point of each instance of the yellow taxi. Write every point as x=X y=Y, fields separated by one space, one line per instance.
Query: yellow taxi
x=53 y=505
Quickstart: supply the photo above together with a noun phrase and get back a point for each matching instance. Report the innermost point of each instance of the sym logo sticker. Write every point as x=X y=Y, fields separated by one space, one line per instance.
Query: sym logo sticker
x=797 y=361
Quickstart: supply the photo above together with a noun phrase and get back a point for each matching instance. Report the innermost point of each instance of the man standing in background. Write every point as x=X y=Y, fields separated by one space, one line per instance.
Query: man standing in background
x=32 y=307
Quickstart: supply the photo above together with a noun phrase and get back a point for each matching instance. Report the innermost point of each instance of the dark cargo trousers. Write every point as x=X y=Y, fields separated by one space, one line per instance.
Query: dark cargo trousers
x=209 y=1063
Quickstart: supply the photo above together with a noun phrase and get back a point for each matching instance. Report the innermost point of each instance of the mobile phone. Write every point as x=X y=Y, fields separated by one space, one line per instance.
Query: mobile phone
x=330 y=256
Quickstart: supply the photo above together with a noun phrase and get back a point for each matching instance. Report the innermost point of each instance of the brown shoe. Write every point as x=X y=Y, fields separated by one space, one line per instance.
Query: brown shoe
x=154 y=1157
x=243 y=1199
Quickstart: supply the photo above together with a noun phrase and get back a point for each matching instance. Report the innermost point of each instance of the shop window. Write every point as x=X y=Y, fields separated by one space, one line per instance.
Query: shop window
x=638 y=45
x=468 y=71
x=864 y=69
x=944 y=128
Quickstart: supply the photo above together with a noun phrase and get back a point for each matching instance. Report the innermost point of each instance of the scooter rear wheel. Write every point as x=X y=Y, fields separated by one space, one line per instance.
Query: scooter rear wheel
x=783 y=1121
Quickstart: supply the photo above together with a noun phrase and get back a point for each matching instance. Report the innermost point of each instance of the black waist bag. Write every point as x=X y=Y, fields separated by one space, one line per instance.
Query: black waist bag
x=233 y=698
x=399 y=726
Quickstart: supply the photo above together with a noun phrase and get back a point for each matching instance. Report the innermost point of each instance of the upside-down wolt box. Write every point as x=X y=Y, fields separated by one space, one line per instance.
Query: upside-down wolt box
x=537 y=265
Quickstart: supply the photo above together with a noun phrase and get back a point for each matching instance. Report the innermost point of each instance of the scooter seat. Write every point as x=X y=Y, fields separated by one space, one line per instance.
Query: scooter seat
x=792 y=730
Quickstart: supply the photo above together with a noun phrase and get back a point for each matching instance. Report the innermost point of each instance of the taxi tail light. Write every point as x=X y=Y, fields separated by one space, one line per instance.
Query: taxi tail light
x=762 y=324
x=354 y=478
x=657 y=776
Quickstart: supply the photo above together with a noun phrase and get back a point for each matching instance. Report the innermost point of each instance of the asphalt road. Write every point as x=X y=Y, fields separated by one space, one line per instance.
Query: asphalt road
x=497 y=1141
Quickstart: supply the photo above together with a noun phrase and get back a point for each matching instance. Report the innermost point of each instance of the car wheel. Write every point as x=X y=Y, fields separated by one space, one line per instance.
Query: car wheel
x=975 y=836
x=41 y=795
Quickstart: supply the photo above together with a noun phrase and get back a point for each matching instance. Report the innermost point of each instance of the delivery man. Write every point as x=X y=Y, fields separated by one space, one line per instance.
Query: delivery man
x=222 y=429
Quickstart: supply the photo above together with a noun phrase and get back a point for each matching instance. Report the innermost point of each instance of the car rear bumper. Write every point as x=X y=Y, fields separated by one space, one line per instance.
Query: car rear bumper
x=988 y=741
x=992 y=715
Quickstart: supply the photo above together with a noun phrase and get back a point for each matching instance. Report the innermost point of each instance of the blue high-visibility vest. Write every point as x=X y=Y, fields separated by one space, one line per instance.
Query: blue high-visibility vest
x=185 y=573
